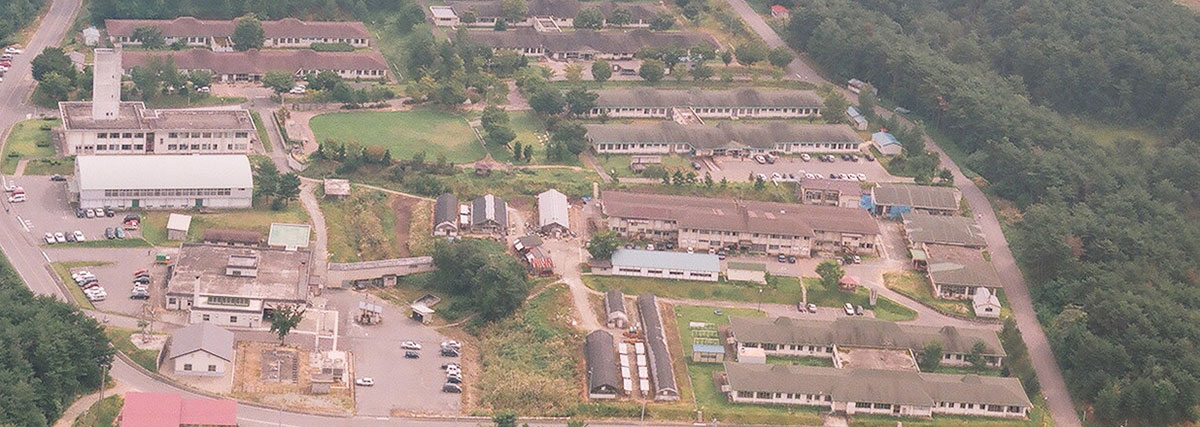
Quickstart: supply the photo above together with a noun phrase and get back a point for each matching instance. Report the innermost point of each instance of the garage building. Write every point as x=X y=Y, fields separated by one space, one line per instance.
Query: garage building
x=163 y=181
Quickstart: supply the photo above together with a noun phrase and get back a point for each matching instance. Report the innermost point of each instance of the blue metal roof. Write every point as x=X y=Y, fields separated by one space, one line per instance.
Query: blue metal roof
x=707 y=348
x=666 y=260
x=885 y=138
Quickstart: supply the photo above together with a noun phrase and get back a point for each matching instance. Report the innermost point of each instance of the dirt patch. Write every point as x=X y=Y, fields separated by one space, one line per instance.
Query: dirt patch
x=403 y=208
x=872 y=358
x=268 y=373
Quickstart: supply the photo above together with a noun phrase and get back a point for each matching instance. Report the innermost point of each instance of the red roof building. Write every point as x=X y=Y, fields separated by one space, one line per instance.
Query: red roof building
x=170 y=409
x=778 y=11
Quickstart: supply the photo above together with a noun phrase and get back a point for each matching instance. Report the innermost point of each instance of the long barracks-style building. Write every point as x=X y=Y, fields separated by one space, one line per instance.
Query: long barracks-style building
x=749 y=103
x=669 y=137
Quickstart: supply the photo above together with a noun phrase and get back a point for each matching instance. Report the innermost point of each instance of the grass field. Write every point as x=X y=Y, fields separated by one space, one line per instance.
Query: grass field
x=913 y=285
x=528 y=127
x=684 y=314
x=100 y=414
x=63 y=270
x=101 y=242
x=154 y=224
x=618 y=164
x=1108 y=134
x=405 y=133
x=30 y=139
x=120 y=338
x=786 y=291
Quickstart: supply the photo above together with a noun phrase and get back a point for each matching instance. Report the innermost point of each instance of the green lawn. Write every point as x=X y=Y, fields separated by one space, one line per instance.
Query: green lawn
x=101 y=242
x=120 y=338
x=786 y=291
x=154 y=224
x=262 y=131
x=100 y=414
x=802 y=361
x=362 y=228
x=685 y=314
x=618 y=164
x=30 y=139
x=715 y=404
x=405 y=133
x=63 y=270
x=409 y=288
x=963 y=370
x=1108 y=133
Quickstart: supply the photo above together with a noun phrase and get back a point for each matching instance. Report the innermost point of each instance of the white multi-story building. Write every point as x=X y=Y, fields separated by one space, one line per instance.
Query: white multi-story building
x=237 y=286
x=105 y=125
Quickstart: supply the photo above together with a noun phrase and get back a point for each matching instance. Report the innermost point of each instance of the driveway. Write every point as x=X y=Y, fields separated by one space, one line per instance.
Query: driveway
x=1049 y=375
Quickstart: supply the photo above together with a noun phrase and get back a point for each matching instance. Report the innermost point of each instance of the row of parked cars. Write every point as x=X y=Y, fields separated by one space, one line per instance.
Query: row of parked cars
x=90 y=285
x=141 y=285
x=94 y=213
x=6 y=59
x=64 y=237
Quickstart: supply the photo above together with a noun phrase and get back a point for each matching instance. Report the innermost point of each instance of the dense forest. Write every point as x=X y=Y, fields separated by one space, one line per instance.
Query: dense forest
x=1106 y=234
x=52 y=354
x=16 y=14
x=228 y=9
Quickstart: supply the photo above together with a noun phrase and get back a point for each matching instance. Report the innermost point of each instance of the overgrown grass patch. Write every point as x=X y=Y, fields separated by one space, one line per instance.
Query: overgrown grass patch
x=28 y=139
x=618 y=164
x=121 y=339
x=262 y=132
x=531 y=359
x=101 y=414
x=360 y=228
x=258 y=218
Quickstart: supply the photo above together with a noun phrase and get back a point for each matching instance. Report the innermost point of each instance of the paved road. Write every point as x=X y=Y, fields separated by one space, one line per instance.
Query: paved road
x=1048 y=372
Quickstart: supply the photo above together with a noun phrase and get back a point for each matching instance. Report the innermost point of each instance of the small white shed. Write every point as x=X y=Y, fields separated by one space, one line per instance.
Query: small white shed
x=178 y=226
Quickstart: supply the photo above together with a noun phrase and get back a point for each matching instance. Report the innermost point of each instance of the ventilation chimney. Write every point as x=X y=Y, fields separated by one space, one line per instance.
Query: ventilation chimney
x=106 y=85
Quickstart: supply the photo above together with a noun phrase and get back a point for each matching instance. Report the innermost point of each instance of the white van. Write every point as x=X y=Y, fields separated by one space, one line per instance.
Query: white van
x=16 y=198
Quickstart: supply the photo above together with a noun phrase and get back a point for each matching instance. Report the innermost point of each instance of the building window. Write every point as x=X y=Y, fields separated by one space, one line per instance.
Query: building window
x=232 y=319
x=226 y=300
x=187 y=366
x=205 y=317
x=212 y=368
x=862 y=405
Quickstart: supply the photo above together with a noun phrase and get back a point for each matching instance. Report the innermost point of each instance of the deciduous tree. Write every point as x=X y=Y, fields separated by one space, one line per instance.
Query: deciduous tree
x=248 y=34
x=601 y=70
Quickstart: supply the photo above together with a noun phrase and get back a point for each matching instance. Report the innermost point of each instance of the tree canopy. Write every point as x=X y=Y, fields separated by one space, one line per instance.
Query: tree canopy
x=53 y=353
x=1104 y=233
x=492 y=282
x=248 y=34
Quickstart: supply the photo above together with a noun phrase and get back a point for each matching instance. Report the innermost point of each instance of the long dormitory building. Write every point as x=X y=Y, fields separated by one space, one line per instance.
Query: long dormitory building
x=648 y=103
x=758 y=227
x=726 y=138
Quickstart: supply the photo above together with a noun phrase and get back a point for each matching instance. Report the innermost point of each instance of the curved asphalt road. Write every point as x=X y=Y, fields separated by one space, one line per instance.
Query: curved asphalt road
x=1048 y=373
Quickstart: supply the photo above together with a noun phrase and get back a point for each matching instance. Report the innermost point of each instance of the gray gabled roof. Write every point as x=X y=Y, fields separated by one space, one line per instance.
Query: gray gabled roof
x=922 y=227
x=489 y=208
x=657 y=354
x=552 y=209
x=713 y=98
x=739 y=215
x=614 y=301
x=558 y=8
x=601 y=362
x=612 y=42
x=861 y=332
x=877 y=386
x=724 y=135
x=203 y=336
x=666 y=260
x=917 y=196
x=445 y=209
x=956 y=265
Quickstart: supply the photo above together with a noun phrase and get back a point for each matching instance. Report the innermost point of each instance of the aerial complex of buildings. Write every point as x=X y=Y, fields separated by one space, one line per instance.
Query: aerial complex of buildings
x=586 y=44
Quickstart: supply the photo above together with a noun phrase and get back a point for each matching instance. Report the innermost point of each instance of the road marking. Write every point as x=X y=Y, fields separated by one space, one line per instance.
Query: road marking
x=47 y=257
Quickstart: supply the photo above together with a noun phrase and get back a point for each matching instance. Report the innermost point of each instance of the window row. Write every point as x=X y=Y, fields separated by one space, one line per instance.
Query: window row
x=168 y=192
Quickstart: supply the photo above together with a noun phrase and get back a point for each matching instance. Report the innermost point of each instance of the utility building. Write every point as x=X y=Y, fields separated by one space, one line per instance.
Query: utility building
x=163 y=182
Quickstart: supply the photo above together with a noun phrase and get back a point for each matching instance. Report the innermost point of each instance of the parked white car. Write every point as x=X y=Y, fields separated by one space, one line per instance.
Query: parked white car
x=410 y=345
x=78 y=236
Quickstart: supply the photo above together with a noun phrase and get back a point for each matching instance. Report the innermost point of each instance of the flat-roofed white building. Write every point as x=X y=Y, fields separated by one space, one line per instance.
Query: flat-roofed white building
x=163 y=181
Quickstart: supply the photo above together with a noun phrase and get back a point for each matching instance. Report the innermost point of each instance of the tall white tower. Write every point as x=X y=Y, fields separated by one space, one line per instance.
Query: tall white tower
x=106 y=85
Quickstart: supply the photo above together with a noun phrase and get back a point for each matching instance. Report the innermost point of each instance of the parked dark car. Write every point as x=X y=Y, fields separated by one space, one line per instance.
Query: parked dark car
x=57 y=178
x=449 y=352
x=132 y=217
x=411 y=355
x=108 y=212
x=782 y=258
x=451 y=388
x=791 y=260
x=79 y=213
x=108 y=233
x=858 y=310
x=139 y=295
x=454 y=380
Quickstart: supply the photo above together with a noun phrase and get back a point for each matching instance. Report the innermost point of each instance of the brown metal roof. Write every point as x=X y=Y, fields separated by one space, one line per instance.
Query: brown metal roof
x=725 y=135
x=588 y=40
x=956 y=265
x=186 y=26
x=739 y=215
x=725 y=98
x=260 y=62
x=861 y=332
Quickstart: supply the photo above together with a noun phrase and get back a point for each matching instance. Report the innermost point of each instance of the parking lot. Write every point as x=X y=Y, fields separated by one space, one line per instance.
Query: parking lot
x=48 y=210
x=402 y=386
x=739 y=168
x=116 y=276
